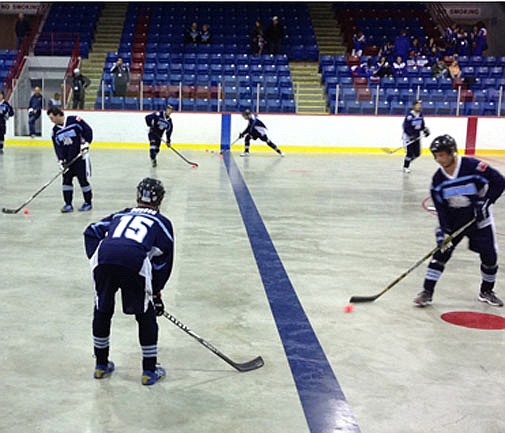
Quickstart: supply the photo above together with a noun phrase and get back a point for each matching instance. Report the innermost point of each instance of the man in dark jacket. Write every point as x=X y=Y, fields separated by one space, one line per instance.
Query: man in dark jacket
x=274 y=36
x=79 y=84
x=22 y=29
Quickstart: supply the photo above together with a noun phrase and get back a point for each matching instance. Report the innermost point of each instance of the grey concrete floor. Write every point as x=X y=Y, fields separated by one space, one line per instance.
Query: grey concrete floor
x=341 y=224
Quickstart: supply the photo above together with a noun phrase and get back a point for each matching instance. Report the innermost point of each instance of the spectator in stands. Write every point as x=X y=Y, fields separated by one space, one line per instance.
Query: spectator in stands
x=365 y=69
x=480 y=40
x=79 y=84
x=206 y=35
x=275 y=35
x=22 y=29
x=383 y=68
x=433 y=51
x=454 y=70
x=193 y=34
x=258 y=38
x=121 y=75
x=55 y=102
x=439 y=69
x=402 y=45
x=399 y=67
x=462 y=46
x=387 y=51
x=450 y=39
x=358 y=44
x=34 y=111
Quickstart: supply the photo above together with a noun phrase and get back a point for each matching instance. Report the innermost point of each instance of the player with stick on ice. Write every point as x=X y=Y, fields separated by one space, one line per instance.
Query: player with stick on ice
x=463 y=189
x=159 y=123
x=133 y=250
x=255 y=129
x=413 y=125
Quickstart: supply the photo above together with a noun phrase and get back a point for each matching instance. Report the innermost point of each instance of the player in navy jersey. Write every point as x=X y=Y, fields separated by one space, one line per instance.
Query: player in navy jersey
x=255 y=129
x=159 y=123
x=72 y=135
x=6 y=111
x=133 y=250
x=413 y=125
x=462 y=189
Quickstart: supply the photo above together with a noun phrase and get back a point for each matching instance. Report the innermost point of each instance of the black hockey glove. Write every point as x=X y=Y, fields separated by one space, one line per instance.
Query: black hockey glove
x=241 y=135
x=426 y=132
x=158 y=304
x=481 y=210
x=442 y=240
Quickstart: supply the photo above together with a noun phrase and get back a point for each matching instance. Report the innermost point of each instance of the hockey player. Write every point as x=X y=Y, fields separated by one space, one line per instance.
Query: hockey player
x=6 y=111
x=463 y=188
x=34 y=110
x=159 y=122
x=255 y=129
x=133 y=250
x=72 y=135
x=413 y=125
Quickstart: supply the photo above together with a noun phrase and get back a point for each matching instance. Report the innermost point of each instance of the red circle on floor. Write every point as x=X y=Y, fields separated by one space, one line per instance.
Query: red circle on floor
x=471 y=319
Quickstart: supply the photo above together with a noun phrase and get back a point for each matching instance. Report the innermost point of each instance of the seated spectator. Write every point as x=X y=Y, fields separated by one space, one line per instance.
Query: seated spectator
x=55 y=102
x=454 y=70
x=258 y=41
x=399 y=67
x=193 y=34
x=402 y=45
x=415 y=48
x=206 y=35
x=365 y=69
x=387 y=51
x=358 y=43
x=462 y=48
x=383 y=68
x=275 y=35
x=480 y=40
x=439 y=69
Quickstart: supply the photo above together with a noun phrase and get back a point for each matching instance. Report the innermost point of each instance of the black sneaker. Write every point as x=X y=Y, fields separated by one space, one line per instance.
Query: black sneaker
x=423 y=299
x=490 y=298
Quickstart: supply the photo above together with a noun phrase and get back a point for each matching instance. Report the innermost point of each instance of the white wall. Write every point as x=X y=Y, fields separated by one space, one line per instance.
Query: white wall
x=288 y=131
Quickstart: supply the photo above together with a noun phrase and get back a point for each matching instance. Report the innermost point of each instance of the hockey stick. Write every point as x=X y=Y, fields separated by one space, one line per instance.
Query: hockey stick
x=242 y=367
x=448 y=240
x=195 y=164
x=391 y=151
x=62 y=171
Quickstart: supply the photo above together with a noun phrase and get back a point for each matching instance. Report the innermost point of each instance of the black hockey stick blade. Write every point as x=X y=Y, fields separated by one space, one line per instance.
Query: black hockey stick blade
x=180 y=155
x=243 y=367
x=62 y=171
x=448 y=240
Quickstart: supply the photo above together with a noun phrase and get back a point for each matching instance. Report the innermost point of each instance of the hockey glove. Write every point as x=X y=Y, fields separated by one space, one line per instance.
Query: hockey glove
x=158 y=304
x=241 y=135
x=168 y=143
x=62 y=163
x=443 y=241
x=426 y=132
x=481 y=210
x=84 y=147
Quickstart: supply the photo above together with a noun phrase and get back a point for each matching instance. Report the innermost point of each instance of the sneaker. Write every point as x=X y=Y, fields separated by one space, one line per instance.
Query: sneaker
x=67 y=208
x=151 y=377
x=246 y=154
x=423 y=299
x=102 y=371
x=490 y=298
x=154 y=163
x=281 y=153
x=406 y=170
x=85 y=207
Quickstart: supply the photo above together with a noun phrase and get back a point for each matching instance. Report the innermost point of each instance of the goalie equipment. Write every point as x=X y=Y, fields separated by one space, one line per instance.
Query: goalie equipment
x=150 y=191
x=443 y=143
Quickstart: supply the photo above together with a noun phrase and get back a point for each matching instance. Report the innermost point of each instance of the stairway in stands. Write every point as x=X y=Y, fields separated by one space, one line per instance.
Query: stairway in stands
x=328 y=35
x=107 y=37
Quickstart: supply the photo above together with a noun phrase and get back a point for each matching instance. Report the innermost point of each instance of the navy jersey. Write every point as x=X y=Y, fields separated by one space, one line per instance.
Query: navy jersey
x=255 y=127
x=133 y=238
x=36 y=103
x=455 y=196
x=159 y=123
x=413 y=124
x=6 y=111
x=67 y=138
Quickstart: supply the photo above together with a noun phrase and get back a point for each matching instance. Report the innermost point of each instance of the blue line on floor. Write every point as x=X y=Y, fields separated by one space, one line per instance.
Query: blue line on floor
x=323 y=401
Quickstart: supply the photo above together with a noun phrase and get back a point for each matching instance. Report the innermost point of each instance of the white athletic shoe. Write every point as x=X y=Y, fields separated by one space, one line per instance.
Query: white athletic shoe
x=281 y=153
x=406 y=170
x=244 y=154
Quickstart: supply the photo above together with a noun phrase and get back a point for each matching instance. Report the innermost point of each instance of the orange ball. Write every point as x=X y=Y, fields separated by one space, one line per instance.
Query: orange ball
x=349 y=308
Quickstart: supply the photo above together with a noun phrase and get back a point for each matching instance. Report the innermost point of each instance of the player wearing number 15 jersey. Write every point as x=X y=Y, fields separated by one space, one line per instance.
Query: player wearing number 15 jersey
x=132 y=250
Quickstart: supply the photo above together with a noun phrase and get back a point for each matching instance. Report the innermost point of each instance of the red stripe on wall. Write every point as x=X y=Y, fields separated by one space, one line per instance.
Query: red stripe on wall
x=471 y=135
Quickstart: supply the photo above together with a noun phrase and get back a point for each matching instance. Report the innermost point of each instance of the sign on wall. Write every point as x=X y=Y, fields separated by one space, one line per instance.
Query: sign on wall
x=17 y=8
x=463 y=12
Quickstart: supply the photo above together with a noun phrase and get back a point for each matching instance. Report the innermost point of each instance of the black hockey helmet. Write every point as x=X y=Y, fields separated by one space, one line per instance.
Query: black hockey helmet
x=150 y=191
x=169 y=107
x=443 y=143
x=246 y=112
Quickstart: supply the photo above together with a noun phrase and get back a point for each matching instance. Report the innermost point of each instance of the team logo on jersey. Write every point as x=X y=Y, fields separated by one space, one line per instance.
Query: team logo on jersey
x=482 y=166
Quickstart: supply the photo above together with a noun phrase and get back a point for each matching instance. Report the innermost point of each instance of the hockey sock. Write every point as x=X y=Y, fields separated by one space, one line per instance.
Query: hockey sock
x=148 y=338
x=406 y=163
x=488 y=274
x=87 y=194
x=101 y=336
x=273 y=146
x=247 y=143
x=433 y=274
x=68 y=193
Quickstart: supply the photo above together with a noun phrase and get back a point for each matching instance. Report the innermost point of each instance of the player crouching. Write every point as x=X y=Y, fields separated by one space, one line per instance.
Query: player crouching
x=255 y=129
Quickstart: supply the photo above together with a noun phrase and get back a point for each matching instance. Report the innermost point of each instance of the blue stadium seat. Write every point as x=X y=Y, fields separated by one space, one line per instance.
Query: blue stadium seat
x=288 y=106
x=131 y=104
x=398 y=107
x=117 y=103
x=489 y=108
